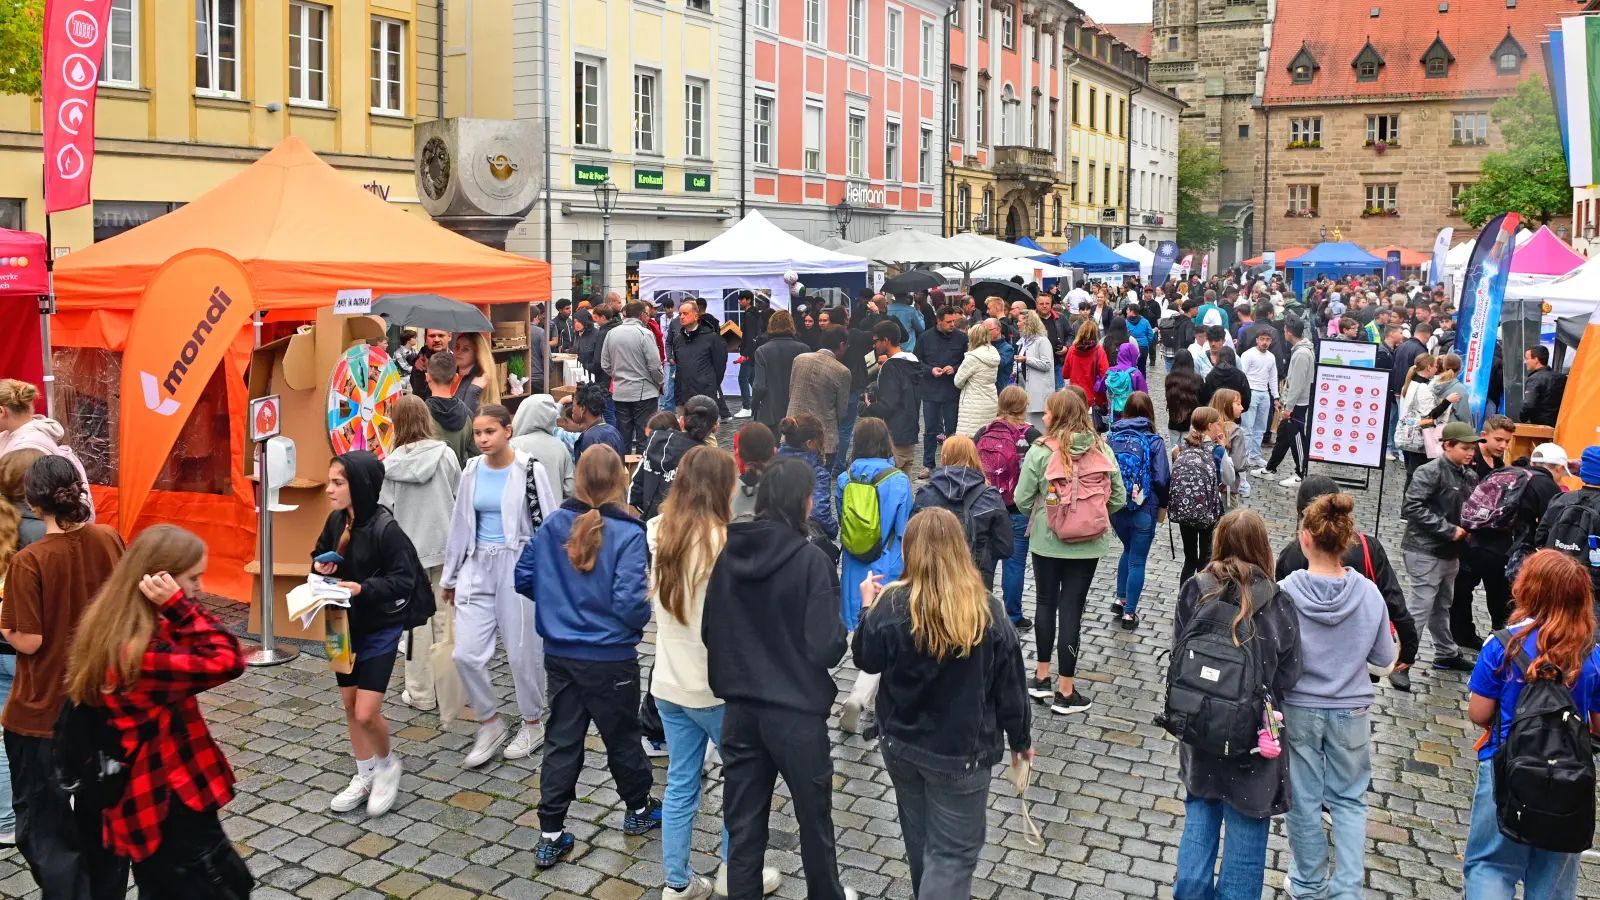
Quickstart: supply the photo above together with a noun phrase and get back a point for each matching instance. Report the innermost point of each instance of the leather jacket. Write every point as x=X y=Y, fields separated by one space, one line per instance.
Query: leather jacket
x=1432 y=508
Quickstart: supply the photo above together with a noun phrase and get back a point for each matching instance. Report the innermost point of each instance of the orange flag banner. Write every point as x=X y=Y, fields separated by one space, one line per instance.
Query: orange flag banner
x=187 y=317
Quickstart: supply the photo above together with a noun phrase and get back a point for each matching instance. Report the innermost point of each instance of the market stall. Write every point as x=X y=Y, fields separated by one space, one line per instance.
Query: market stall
x=1097 y=259
x=23 y=280
x=1140 y=254
x=302 y=232
x=752 y=255
x=1334 y=259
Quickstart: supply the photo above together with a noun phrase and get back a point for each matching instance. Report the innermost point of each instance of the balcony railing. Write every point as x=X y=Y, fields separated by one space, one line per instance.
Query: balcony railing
x=1024 y=163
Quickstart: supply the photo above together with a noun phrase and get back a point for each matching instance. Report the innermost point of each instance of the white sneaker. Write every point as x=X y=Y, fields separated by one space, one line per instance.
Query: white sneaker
x=653 y=749
x=414 y=703
x=742 y=414
x=528 y=737
x=483 y=746
x=850 y=715
x=353 y=795
x=712 y=760
x=385 y=787
x=770 y=879
x=1291 y=481
x=8 y=839
x=699 y=888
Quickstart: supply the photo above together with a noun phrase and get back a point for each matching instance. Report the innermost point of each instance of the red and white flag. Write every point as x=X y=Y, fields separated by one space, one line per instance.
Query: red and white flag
x=1205 y=267
x=74 y=45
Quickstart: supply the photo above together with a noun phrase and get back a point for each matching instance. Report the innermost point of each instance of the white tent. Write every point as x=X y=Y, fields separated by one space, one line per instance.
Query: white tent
x=1457 y=258
x=1004 y=269
x=909 y=247
x=1138 y=253
x=1572 y=294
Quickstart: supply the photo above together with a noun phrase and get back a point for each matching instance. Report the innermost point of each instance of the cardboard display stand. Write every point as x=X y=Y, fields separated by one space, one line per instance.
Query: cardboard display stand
x=298 y=369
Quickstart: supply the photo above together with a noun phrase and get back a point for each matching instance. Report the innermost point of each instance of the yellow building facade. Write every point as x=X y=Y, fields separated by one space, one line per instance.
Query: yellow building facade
x=1097 y=115
x=191 y=92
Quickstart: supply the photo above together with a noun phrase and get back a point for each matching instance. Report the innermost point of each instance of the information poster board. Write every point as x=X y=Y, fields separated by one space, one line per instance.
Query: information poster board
x=1349 y=412
x=1335 y=352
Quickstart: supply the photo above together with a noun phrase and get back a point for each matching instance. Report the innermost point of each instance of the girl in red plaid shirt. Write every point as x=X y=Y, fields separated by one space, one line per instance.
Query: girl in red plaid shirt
x=144 y=652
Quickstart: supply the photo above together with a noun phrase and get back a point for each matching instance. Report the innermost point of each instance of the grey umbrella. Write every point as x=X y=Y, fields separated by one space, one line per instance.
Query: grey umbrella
x=431 y=311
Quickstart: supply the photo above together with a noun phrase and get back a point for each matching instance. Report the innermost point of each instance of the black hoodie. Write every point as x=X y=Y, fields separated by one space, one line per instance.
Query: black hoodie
x=453 y=426
x=376 y=557
x=1225 y=375
x=653 y=479
x=896 y=399
x=989 y=534
x=772 y=627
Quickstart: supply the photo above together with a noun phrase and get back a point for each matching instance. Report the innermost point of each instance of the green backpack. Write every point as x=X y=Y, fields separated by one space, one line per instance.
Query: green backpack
x=860 y=526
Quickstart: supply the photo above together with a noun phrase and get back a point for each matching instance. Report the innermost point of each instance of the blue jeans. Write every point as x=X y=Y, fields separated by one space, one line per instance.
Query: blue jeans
x=747 y=380
x=1244 y=856
x=1494 y=863
x=1330 y=761
x=8 y=816
x=1257 y=419
x=669 y=391
x=1015 y=568
x=687 y=730
x=847 y=430
x=1136 y=529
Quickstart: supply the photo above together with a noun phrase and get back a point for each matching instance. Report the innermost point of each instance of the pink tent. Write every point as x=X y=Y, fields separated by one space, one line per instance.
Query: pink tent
x=1544 y=254
x=22 y=279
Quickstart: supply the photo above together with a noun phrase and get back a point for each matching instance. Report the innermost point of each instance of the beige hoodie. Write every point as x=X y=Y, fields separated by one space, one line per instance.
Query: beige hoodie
x=680 y=671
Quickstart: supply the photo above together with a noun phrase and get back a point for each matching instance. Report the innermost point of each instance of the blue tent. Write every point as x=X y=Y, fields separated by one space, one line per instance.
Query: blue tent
x=1332 y=259
x=1044 y=256
x=1094 y=257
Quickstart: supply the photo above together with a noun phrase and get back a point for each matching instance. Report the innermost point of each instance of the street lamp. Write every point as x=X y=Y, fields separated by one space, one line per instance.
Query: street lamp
x=841 y=214
x=1588 y=231
x=605 y=197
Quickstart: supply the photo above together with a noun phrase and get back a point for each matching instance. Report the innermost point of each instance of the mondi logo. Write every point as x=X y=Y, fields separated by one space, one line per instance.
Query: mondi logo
x=220 y=301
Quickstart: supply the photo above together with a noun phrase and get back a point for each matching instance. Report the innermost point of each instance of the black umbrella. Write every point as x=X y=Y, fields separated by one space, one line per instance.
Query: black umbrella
x=431 y=311
x=913 y=281
x=1008 y=291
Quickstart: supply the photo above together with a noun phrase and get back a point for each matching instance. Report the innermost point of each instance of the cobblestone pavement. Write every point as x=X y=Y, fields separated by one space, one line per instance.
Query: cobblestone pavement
x=1106 y=791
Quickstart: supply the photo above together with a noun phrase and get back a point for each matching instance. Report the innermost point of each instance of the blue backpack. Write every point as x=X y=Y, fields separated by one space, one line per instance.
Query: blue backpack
x=1133 y=458
x=1119 y=384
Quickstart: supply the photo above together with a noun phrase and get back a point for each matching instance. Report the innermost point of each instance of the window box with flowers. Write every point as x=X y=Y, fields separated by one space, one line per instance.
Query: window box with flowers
x=1305 y=145
x=1381 y=146
x=1373 y=211
x=1469 y=142
x=1301 y=214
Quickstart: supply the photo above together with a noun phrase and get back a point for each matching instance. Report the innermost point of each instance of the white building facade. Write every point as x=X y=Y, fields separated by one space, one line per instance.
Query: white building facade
x=1153 y=172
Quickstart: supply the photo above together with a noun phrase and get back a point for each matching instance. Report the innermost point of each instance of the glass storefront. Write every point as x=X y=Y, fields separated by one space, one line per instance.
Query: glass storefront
x=586 y=263
x=11 y=213
x=638 y=251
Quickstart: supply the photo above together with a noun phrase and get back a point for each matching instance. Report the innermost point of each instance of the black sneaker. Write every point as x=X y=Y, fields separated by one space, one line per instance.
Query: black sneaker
x=1129 y=621
x=549 y=852
x=638 y=822
x=1073 y=704
x=1116 y=608
x=1039 y=689
x=1023 y=625
x=1457 y=663
x=1400 y=679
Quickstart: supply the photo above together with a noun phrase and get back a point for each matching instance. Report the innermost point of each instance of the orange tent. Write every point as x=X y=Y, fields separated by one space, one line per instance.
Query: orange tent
x=303 y=232
x=1409 y=259
x=1284 y=256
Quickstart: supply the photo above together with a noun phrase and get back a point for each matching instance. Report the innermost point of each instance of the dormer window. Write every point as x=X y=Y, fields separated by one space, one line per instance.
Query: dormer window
x=1436 y=61
x=1303 y=68
x=1367 y=63
x=1509 y=55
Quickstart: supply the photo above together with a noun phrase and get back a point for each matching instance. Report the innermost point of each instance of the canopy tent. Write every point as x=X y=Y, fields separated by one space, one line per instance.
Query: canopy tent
x=1572 y=294
x=1137 y=252
x=1282 y=258
x=1096 y=258
x=1409 y=259
x=909 y=247
x=833 y=242
x=752 y=255
x=1544 y=257
x=994 y=252
x=302 y=231
x=1331 y=258
x=1040 y=253
x=23 y=277
x=1004 y=269
x=1457 y=258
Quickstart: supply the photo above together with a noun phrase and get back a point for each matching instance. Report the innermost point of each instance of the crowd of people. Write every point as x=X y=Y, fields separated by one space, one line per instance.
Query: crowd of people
x=563 y=531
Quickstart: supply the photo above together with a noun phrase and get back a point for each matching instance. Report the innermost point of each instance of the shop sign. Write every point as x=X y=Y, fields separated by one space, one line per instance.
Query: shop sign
x=699 y=182
x=648 y=180
x=865 y=195
x=589 y=175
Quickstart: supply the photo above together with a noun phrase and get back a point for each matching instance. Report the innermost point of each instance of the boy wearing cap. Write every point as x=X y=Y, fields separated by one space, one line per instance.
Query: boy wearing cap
x=1434 y=538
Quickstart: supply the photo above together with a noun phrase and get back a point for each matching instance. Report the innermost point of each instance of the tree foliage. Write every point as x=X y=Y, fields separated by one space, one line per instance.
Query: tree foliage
x=1530 y=177
x=21 y=46
x=1199 y=166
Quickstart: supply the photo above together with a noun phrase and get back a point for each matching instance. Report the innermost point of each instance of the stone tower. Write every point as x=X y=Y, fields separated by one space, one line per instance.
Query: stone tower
x=1210 y=53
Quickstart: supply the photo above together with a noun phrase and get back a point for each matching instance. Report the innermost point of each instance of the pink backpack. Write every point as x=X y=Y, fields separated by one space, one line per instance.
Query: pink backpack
x=1076 y=500
x=1000 y=448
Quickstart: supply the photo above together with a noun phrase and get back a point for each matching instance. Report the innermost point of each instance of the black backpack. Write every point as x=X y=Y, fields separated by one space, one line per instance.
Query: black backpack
x=87 y=756
x=1571 y=525
x=415 y=610
x=1544 y=767
x=1216 y=695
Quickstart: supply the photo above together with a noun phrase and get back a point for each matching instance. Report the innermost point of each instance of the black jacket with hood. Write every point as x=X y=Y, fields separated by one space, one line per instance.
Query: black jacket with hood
x=897 y=398
x=701 y=357
x=453 y=425
x=987 y=523
x=1225 y=376
x=771 y=621
x=937 y=350
x=774 y=364
x=653 y=479
x=382 y=560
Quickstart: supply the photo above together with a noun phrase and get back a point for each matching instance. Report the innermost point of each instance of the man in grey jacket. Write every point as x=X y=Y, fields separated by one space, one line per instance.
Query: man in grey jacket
x=1434 y=539
x=630 y=357
x=1294 y=431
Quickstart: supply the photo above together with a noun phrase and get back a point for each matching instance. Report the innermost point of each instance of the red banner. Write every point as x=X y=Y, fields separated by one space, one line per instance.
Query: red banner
x=74 y=45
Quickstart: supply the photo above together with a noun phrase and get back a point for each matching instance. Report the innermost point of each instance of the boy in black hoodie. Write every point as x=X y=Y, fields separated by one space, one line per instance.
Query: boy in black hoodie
x=895 y=397
x=451 y=420
x=772 y=632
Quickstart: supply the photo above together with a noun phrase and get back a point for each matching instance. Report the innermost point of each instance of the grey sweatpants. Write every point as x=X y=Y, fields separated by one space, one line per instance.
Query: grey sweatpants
x=1433 y=583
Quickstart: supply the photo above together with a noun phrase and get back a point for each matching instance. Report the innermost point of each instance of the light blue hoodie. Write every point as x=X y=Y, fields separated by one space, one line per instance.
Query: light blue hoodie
x=1345 y=620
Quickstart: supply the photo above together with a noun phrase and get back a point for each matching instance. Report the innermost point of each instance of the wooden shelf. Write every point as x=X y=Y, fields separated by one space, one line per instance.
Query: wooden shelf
x=514 y=348
x=297 y=483
x=299 y=570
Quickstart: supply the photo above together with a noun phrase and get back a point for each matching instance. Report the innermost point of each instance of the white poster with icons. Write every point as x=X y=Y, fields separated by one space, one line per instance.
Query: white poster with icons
x=1348 y=416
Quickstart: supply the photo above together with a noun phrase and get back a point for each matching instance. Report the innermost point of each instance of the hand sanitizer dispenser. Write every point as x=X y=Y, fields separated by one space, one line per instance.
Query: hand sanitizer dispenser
x=280 y=471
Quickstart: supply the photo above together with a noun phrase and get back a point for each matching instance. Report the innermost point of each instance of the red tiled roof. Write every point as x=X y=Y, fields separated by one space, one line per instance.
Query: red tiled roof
x=1335 y=31
x=1138 y=35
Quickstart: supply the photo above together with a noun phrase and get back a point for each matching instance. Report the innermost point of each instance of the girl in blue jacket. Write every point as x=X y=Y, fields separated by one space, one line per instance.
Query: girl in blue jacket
x=802 y=438
x=586 y=572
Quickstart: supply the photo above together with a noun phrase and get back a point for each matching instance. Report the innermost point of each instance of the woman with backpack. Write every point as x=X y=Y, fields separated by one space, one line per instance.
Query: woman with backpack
x=503 y=498
x=1200 y=469
x=586 y=572
x=1234 y=774
x=1230 y=405
x=1553 y=667
x=1342 y=615
x=143 y=654
x=1416 y=400
x=1086 y=362
x=1036 y=366
x=753 y=449
x=1182 y=393
x=1001 y=446
x=1069 y=487
x=771 y=637
x=874 y=505
x=1146 y=471
x=422 y=471
x=959 y=486
x=975 y=379
x=363 y=548
x=1122 y=380
x=802 y=439
x=953 y=698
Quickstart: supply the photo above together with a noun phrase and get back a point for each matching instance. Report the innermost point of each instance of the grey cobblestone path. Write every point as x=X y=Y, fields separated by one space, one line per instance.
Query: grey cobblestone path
x=1105 y=792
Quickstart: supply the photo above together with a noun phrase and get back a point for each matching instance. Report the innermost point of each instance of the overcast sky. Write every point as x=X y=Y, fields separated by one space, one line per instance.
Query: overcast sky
x=1116 y=10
